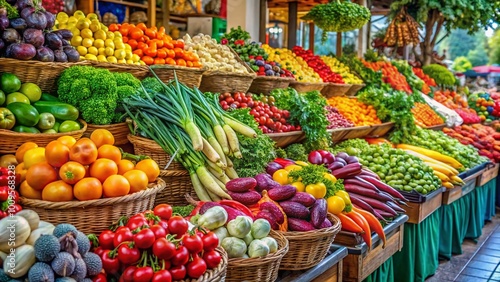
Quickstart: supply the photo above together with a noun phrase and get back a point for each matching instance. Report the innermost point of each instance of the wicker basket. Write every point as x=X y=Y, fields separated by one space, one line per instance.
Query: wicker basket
x=11 y=140
x=354 y=89
x=380 y=130
x=258 y=269
x=108 y=210
x=287 y=138
x=119 y=131
x=214 y=275
x=307 y=249
x=219 y=82
x=140 y=72
x=178 y=185
x=148 y=147
x=335 y=89
x=191 y=77
x=303 y=87
x=43 y=74
x=266 y=84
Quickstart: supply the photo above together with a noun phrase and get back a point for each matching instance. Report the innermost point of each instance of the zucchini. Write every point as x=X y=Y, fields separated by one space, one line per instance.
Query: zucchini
x=25 y=129
x=61 y=111
x=48 y=97
x=25 y=114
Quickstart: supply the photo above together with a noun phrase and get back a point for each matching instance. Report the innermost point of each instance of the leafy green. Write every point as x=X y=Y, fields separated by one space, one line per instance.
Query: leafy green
x=183 y=210
x=308 y=111
x=12 y=12
x=296 y=152
x=369 y=76
x=414 y=81
x=237 y=34
x=441 y=75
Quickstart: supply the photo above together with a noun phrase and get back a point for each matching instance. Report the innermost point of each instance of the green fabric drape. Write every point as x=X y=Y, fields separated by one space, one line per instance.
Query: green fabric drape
x=491 y=188
x=418 y=258
x=385 y=273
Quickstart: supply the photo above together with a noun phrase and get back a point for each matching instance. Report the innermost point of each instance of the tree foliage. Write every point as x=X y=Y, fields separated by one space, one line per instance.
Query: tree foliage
x=495 y=47
x=461 y=64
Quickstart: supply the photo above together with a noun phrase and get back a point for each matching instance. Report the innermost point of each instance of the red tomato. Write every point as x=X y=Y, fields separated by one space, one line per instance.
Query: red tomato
x=181 y=256
x=143 y=274
x=212 y=258
x=164 y=249
x=144 y=239
x=158 y=230
x=99 y=251
x=197 y=267
x=106 y=240
x=110 y=264
x=128 y=274
x=136 y=221
x=162 y=276
x=128 y=254
x=178 y=272
x=101 y=277
x=164 y=211
x=210 y=241
x=177 y=225
x=122 y=234
x=193 y=243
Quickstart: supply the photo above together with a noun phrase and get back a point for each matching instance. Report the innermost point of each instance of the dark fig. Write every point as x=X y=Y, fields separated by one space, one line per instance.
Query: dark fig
x=19 y=24
x=2 y=44
x=23 y=51
x=34 y=37
x=10 y=35
x=53 y=41
x=44 y=54
x=72 y=54
x=65 y=42
x=25 y=12
x=60 y=56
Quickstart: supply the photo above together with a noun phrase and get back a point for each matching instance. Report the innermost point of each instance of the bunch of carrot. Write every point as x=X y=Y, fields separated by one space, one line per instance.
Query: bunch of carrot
x=425 y=115
x=390 y=75
x=154 y=46
x=355 y=111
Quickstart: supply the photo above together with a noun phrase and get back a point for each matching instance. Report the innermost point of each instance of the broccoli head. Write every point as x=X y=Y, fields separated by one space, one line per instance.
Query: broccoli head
x=97 y=111
x=125 y=91
x=126 y=79
x=152 y=85
x=296 y=152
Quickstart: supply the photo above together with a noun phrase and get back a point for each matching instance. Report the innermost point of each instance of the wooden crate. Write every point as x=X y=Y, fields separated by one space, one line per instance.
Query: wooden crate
x=380 y=130
x=417 y=212
x=340 y=134
x=471 y=181
x=489 y=174
x=328 y=270
x=286 y=138
x=438 y=127
x=361 y=262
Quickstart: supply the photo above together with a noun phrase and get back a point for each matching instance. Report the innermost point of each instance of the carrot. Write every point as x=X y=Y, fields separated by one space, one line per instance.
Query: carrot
x=363 y=223
x=374 y=224
x=348 y=224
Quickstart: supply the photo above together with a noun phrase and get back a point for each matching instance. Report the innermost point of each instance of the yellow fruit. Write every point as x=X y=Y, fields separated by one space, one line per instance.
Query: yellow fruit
x=92 y=16
x=86 y=33
x=127 y=47
x=110 y=35
x=102 y=51
x=94 y=27
x=103 y=27
x=109 y=51
x=88 y=42
x=92 y=50
x=119 y=45
x=75 y=31
x=335 y=204
x=120 y=54
x=142 y=63
x=136 y=58
x=100 y=34
x=128 y=55
x=118 y=34
x=91 y=57
x=122 y=61
x=102 y=58
x=61 y=26
x=99 y=43
x=112 y=59
x=62 y=17
x=79 y=13
x=130 y=62
x=81 y=50
x=72 y=21
x=76 y=40
x=109 y=43
x=82 y=24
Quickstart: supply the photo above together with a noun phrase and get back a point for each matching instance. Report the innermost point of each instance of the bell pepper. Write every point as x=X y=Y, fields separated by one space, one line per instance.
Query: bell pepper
x=317 y=190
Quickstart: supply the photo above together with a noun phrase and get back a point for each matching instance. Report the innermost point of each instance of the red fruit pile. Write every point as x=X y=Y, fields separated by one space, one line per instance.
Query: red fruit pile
x=318 y=65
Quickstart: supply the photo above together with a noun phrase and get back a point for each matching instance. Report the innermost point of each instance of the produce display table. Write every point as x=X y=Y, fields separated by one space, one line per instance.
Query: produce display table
x=426 y=205
x=328 y=270
x=360 y=263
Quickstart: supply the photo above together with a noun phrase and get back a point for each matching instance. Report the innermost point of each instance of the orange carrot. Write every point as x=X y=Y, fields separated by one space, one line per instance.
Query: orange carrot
x=374 y=224
x=363 y=223
x=348 y=224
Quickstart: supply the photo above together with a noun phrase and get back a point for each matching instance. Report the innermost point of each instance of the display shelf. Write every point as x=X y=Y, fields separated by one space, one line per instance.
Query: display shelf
x=328 y=270
x=490 y=172
x=361 y=261
x=416 y=197
x=473 y=170
x=418 y=212
x=380 y=130
x=438 y=127
x=287 y=138
x=340 y=134
x=471 y=181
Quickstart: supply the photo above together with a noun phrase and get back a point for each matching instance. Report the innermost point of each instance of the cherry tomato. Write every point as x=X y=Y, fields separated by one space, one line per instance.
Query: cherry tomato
x=197 y=267
x=164 y=224
x=212 y=258
x=210 y=241
x=178 y=272
x=143 y=274
x=99 y=251
x=101 y=277
x=164 y=211
x=164 y=249
x=144 y=239
x=229 y=100
x=106 y=239
x=122 y=234
x=4 y=193
x=181 y=256
x=162 y=276
x=158 y=230
x=110 y=264
x=128 y=274
x=193 y=243
x=128 y=254
x=136 y=221
x=177 y=225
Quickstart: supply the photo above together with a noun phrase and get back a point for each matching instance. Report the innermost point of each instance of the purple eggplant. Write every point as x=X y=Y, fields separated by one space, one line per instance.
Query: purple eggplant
x=4 y=22
x=366 y=171
x=335 y=165
x=383 y=187
x=376 y=204
x=347 y=171
x=351 y=160
x=395 y=207
x=315 y=158
x=342 y=155
x=34 y=37
x=318 y=212
x=367 y=192
x=364 y=205
x=272 y=167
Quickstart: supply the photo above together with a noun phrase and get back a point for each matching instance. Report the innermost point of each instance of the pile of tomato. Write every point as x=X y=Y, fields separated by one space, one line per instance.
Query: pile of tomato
x=390 y=75
x=154 y=46
x=155 y=246
x=269 y=117
x=318 y=65
x=87 y=169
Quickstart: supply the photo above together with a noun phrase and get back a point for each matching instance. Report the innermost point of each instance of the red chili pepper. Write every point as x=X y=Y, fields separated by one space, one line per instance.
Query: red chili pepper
x=237 y=205
x=284 y=162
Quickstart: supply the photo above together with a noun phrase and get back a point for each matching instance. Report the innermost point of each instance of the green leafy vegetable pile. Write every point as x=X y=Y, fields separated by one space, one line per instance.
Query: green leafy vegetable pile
x=237 y=34
x=414 y=81
x=296 y=152
x=441 y=75
x=338 y=16
x=257 y=152
x=369 y=76
x=308 y=111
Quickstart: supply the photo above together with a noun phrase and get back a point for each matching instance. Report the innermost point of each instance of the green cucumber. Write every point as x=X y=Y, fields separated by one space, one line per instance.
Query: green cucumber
x=60 y=110
x=25 y=114
x=48 y=97
x=25 y=129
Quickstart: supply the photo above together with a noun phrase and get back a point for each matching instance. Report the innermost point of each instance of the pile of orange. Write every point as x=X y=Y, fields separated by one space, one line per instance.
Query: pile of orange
x=356 y=112
x=154 y=46
x=87 y=169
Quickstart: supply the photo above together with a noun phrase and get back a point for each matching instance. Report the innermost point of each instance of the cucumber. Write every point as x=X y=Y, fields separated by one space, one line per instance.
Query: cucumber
x=61 y=111
x=48 y=97
x=25 y=114
x=25 y=129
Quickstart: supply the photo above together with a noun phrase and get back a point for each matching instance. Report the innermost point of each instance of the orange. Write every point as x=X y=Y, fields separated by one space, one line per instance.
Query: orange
x=27 y=191
x=22 y=149
x=150 y=167
x=103 y=168
x=69 y=141
x=102 y=137
x=109 y=152
x=116 y=186
x=58 y=191
x=89 y=188
x=56 y=153
x=137 y=179
x=124 y=166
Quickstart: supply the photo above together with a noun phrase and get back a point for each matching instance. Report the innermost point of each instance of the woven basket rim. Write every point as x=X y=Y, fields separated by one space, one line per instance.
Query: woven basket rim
x=39 y=63
x=156 y=187
x=263 y=77
x=229 y=74
x=281 y=252
x=172 y=67
x=117 y=66
x=313 y=234
x=344 y=85
x=166 y=173
x=307 y=83
x=5 y=132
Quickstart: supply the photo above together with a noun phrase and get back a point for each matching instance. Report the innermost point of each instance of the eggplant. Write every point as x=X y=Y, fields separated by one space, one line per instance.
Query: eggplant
x=19 y=24
x=295 y=210
x=347 y=171
x=375 y=204
x=395 y=207
x=342 y=155
x=264 y=214
x=265 y=182
x=367 y=192
x=65 y=43
x=273 y=209
x=364 y=206
x=34 y=37
x=351 y=160
x=21 y=4
x=282 y=193
x=34 y=19
x=366 y=171
x=272 y=167
x=382 y=186
x=11 y=35
x=45 y=54
x=53 y=41
x=4 y=22
x=60 y=56
x=315 y=157
x=318 y=212
x=240 y=185
x=51 y=19
x=22 y=51
x=295 y=224
x=247 y=198
x=72 y=54
x=303 y=198
x=335 y=165
x=64 y=33
x=341 y=160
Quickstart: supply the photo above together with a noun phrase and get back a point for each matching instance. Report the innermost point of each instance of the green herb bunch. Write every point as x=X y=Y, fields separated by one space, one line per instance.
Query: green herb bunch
x=441 y=75
x=414 y=81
